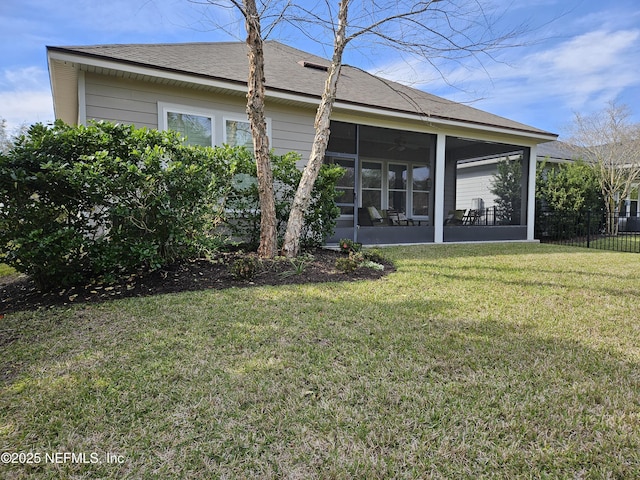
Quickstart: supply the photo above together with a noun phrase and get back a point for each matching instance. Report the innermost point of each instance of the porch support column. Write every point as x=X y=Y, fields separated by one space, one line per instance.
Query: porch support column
x=531 y=193
x=438 y=202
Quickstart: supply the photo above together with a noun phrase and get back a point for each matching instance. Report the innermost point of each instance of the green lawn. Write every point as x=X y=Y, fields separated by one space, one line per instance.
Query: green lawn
x=507 y=361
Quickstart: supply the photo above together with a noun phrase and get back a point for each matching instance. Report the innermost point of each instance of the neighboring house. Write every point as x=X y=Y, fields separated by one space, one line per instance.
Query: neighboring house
x=475 y=177
x=631 y=207
x=400 y=146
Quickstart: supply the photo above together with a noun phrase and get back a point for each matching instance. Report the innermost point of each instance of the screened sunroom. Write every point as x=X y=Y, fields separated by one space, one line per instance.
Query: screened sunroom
x=389 y=193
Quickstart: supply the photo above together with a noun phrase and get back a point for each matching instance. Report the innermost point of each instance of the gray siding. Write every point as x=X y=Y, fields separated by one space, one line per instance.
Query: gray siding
x=136 y=102
x=123 y=101
x=291 y=130
x=475 y=182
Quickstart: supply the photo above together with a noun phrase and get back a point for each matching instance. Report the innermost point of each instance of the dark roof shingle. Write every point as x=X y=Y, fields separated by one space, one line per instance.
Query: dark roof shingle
x=284 y=71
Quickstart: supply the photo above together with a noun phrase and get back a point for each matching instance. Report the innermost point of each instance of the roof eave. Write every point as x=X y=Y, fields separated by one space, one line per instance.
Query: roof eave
x=444 y=121
x=100 y=61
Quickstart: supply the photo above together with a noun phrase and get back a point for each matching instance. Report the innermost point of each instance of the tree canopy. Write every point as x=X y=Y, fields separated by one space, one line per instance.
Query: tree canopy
x=610 y=142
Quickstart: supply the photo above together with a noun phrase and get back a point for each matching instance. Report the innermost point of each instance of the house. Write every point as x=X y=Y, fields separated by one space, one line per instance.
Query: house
x=475 y=177
x=400 y=146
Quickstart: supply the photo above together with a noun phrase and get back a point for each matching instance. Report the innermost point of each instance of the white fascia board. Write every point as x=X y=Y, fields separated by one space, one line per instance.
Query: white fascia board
x=142 y=70
x=536 y=137
x=489 y=160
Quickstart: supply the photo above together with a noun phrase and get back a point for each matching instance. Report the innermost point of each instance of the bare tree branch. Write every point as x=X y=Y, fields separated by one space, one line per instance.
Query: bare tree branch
x=611 y=144
x=429 y=30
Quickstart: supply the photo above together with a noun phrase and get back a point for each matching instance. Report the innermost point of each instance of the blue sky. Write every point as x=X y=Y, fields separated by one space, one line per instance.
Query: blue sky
x=577 y=55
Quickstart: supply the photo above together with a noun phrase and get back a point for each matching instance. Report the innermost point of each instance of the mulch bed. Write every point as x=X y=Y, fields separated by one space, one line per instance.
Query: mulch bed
x=18 y=293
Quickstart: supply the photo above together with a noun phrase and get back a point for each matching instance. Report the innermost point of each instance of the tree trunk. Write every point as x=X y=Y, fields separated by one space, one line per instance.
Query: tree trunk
x=291 y=245
x=611 y=218
x=255 y=110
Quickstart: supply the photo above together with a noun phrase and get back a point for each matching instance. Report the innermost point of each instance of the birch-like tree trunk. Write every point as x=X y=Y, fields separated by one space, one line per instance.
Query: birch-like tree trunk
x=255 y=110
x=431 y=30
x=291 y=244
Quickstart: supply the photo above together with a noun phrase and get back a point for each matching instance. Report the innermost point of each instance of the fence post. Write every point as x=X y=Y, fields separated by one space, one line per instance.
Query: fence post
x=588 y=228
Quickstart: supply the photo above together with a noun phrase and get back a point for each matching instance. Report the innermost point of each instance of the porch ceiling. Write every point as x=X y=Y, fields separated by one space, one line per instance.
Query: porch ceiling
x=463 y=149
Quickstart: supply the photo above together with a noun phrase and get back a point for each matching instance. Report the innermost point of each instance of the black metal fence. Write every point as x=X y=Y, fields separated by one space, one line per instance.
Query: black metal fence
x=496 y=216
x=491 y=216
x=590 y=230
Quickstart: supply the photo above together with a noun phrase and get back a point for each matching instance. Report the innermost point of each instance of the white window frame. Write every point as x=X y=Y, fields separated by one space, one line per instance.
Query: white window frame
x=385 y=183
x=382 y=186
x=164 y=108
x=241 y=118
x=218 y=120
x=412 y=165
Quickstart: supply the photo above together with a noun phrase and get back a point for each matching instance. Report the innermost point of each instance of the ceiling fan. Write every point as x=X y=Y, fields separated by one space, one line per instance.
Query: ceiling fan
x=399 y=145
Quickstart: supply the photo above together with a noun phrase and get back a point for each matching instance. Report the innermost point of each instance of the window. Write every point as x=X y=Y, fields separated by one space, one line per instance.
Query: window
x=196 y=129
x=372 y=184
x=207 y=127
x=420 y=189
x=195 y=124
x=397 y=187
x=389 y=185
x=346 y=184
x=237 y=133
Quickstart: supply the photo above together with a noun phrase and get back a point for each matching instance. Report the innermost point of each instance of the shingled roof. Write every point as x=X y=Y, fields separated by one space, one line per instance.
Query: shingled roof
x=292 y=71
x=557 y=151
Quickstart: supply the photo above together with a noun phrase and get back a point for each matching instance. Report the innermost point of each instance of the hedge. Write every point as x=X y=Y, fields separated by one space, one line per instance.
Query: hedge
x=104 y=199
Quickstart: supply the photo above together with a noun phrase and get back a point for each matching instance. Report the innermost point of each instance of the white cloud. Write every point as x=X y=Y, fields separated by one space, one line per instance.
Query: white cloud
x=592 y=53
x=26 y=107
x=578 y=74
x=25 y=97
x=23 y=78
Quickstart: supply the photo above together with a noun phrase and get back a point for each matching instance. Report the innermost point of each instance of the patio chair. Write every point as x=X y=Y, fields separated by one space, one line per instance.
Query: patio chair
x=369 y=217
x=375 y=216
x=455 y=217
x=396 y=217
x=471 y=217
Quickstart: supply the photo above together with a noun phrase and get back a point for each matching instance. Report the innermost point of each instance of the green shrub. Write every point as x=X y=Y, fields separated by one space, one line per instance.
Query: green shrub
x=243 y=218
x=565 y=193
x=507 y=188
x=347 y=264
x=348 y=246
x=244 y=268
x=320 y=218
x=101 y=199
x=357 y=258
x=374 y=255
